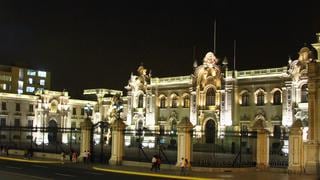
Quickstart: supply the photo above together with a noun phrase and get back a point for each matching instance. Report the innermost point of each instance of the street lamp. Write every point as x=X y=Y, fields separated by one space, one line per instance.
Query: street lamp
x=88 y=109
x=117 y=105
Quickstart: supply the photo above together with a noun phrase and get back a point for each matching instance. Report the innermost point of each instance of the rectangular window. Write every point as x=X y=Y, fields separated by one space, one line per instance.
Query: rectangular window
x=74 y=111
x=20 y=91
x=73 y=124
x=42 y=74
x=3 y=122
x=82 y=111
x=31 y=72
x=30 y=123
x=3 y=86
x=42 y=82
x=20 y=74
x=17 y=106
x=16 y=122
x=4 y=106
x=30 y=107
x=5 y=78
x=20 y=84
x=30 y=80
x=30 y=89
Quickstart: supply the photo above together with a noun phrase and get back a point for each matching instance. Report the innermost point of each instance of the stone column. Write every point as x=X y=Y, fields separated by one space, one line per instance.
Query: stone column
x=262 y=148
x=184 y=140
x=312 y=146
x=86 y=128
x=262 y=156
x=296 y=148
x=117 y=142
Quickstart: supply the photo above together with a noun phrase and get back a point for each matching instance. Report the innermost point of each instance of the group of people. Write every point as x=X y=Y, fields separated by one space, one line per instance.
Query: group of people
x=155 y=163
x=4 y=150
x=74 y=156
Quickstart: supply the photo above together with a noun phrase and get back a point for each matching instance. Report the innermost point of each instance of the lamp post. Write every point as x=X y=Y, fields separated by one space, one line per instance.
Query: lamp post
x=86 y=131
x=117 y=132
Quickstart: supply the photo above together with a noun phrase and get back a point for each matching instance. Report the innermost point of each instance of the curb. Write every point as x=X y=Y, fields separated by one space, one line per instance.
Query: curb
x=29 y=161
x=152 y=174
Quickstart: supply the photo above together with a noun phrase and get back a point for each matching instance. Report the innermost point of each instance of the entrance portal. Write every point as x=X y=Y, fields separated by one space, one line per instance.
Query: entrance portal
x=52 y=131
x=210 y=131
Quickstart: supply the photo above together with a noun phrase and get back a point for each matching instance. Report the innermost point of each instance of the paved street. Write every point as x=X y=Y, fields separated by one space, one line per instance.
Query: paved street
x=17 y=170
x=44 y=170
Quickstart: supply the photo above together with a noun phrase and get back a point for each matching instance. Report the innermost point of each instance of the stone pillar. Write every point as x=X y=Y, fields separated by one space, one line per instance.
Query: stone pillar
x=296 y=148
x=184 y=140
x=262 y=148
x=312 y=146
x=117 y=138
x=86 y=128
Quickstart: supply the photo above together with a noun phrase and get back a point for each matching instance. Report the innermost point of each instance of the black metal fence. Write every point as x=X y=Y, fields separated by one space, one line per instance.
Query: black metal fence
x=40 y=139
x=142 y=145
x=224 y=149
x=279 y=149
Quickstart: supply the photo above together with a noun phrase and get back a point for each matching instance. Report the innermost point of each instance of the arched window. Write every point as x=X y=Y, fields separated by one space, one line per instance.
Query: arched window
x=174 y=126
x=277 y=98
x=304 y=93
x=210 y=97
x=162 y=102
x=140 y=101
x=186 y=102
x=260 y=98
x=245 y=99
x=174 y=103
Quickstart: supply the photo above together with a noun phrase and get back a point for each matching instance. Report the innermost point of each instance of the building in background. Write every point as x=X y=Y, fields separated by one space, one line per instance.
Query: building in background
x=23 y=80
x=217 y=100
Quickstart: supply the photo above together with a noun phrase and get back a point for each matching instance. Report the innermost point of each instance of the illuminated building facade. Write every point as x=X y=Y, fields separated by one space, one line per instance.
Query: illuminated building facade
x=216 y=99
x=20 y=80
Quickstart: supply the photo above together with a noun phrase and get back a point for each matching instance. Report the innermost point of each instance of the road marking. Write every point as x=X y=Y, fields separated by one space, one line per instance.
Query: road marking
x=23 y=175
x=153 y=175
x=39 y=166
x=13 y=167
x=29 y=161
x=66 y=175
x=94 y=173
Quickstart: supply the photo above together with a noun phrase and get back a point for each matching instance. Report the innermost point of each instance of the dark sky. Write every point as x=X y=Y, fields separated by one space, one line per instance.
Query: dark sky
x=98 y=44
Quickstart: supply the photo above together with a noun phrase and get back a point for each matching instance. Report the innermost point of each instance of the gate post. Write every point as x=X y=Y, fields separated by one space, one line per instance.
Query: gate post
x=184 y=148
x=86 y=128
x=296 y=148
x=262 y=148
x=117 y=138
x=262 y=144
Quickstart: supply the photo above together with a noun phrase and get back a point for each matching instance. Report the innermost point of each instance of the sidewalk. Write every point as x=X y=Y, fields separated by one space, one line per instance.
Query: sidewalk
x=173 y=172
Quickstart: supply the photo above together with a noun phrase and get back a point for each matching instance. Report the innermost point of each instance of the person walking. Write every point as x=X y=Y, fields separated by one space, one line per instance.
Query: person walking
x=63 y=156
x=187 y=166
x=153 y=163
x=182 y=167
x=85 y=156
x=158 y=163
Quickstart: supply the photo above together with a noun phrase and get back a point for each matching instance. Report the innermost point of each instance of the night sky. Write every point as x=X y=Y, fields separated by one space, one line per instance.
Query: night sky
x=98 y=44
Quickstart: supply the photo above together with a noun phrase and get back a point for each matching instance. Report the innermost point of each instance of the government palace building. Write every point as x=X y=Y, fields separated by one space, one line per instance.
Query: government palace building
x=214 y=98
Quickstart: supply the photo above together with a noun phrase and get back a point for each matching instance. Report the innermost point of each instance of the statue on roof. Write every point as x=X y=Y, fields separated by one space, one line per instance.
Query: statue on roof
x=210 y=59
x=298 y=67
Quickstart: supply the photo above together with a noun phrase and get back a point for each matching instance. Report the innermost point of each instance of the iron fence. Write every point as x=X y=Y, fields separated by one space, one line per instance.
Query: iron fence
x=40 y=139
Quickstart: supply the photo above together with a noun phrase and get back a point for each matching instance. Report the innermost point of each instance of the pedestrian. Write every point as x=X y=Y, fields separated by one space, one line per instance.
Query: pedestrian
x=158 y=163
x=88 y=156
x=153 y=163
x=74 y=157
x=182 y=167
x=63 y=156
x=187 y=166
x=85 y=156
